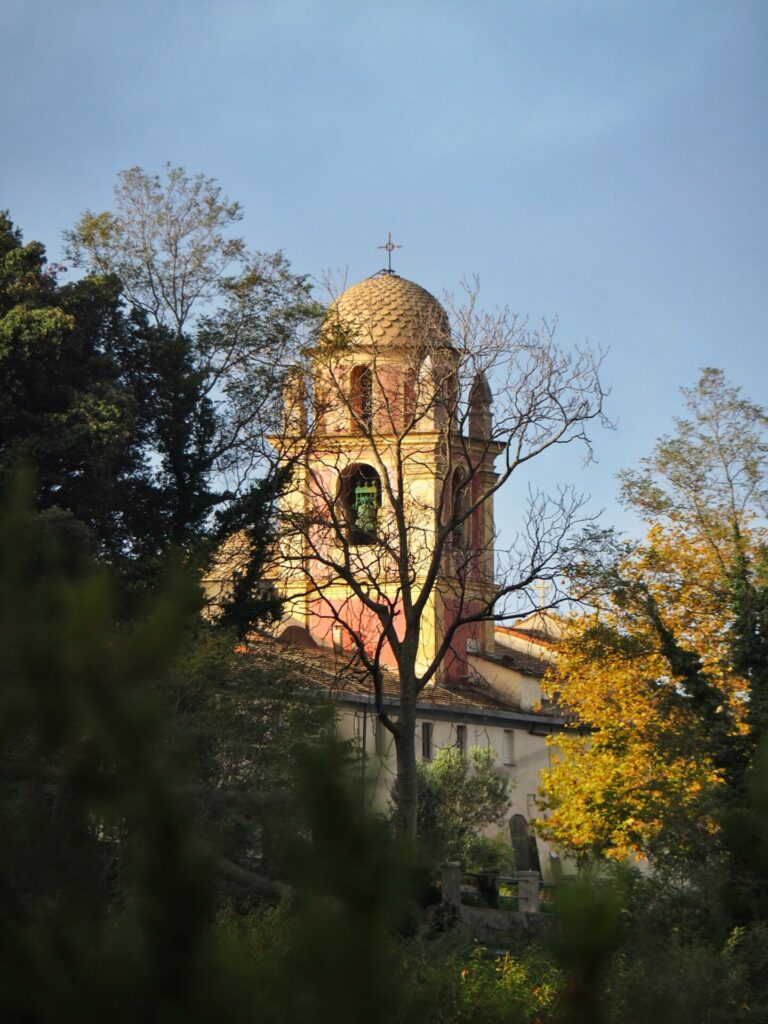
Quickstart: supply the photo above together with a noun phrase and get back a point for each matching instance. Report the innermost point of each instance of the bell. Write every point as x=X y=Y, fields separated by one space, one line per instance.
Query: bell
x=365 y=508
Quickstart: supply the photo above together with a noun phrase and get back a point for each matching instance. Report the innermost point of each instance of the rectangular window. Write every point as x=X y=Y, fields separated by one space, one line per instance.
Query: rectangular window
x=509 y=746
x=461 y=739
x=426 y=741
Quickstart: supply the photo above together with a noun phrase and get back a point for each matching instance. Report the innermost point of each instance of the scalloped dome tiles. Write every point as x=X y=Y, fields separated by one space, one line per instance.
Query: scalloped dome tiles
x=390 y=310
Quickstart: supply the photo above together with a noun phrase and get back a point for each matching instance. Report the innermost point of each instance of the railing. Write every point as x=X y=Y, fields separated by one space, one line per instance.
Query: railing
x=546 y=896
x=489 y=888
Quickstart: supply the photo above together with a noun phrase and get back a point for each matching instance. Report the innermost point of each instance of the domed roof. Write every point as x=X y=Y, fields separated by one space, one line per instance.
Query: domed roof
x=390 y=310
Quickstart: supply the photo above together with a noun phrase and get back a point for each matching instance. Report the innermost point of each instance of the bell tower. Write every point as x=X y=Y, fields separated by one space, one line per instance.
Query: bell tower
x=390 y=439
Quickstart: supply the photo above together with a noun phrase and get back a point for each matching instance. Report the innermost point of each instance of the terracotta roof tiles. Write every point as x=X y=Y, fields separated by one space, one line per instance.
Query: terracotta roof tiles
x=341 y=676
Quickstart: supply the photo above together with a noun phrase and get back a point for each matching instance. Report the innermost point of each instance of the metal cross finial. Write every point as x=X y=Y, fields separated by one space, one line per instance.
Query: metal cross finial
x=390 y=247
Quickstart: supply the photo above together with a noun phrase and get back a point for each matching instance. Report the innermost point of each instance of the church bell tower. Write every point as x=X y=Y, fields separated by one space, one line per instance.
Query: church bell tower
x=390 y=437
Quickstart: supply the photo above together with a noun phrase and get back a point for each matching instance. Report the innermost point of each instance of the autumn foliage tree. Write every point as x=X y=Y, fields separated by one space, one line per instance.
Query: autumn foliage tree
x=667 y=664
x=642 y=773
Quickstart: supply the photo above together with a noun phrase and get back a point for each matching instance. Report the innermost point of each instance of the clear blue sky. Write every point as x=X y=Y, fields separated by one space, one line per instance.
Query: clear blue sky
x=603 y=161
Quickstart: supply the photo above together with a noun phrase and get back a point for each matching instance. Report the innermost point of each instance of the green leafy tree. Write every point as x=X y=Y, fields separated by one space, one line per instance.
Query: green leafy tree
x=141 y=392
x=180 y=437
x=460 y=798
x=110 y=410
x=69 y=404
x=167 y=242
x=709 y=477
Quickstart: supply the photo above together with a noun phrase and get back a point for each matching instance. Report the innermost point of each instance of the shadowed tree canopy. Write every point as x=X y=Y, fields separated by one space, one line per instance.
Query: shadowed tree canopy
x=141 y=392
x=70 y=405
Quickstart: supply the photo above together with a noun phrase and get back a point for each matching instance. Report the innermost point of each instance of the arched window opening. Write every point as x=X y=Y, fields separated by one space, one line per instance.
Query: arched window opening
x=320 y=405
x=361 y=500
x=459 y=509
x=451 y=395
x=410 y=393
x=361 y=393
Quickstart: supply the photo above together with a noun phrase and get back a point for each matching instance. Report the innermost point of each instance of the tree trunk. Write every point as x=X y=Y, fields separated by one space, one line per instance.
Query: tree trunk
x=406 y=789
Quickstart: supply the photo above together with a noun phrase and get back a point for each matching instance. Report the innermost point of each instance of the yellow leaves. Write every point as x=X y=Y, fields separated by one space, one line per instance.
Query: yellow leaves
x=640 y=773
x=97 y=230
x=620 y=801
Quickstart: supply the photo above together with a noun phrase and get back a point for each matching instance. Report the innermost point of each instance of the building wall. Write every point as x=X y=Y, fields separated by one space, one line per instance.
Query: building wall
x=520 y=689
x=519 y=754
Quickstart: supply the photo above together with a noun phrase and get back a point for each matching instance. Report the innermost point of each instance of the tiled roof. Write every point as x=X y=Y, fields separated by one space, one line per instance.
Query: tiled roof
x=341 y=676
x=388 y=309
x=535 y=636
x=528 y=664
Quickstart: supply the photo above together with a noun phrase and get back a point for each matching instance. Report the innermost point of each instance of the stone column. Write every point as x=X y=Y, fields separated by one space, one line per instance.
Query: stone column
x=528 y=891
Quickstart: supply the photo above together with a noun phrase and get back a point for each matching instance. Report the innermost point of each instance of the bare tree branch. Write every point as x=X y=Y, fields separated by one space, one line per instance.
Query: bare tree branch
x=400 y=437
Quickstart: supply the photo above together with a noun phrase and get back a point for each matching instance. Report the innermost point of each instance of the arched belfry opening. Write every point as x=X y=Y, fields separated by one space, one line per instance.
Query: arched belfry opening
x=361 y=396
x=360 y=500
x=462 y=533
x=396 y=457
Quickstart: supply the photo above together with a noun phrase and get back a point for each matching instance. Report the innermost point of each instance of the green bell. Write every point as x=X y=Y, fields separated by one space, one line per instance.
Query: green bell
x=365 y=508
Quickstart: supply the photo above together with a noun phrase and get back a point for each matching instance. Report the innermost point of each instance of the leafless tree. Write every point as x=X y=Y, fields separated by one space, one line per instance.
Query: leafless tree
x=388 y=545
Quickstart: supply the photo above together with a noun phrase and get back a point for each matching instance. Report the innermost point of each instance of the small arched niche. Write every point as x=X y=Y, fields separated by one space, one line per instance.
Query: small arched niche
x=360 y=499
x=459 y=508
x=297 y=636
